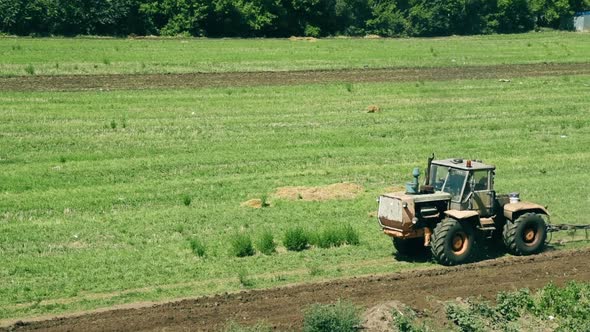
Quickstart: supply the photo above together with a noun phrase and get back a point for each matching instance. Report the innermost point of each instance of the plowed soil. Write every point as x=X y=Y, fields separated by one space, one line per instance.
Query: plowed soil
x=281 y=307
x=234 y=79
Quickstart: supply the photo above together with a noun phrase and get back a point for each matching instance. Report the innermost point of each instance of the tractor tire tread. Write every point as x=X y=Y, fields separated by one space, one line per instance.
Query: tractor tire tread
x=510 y=235
x=438 y=242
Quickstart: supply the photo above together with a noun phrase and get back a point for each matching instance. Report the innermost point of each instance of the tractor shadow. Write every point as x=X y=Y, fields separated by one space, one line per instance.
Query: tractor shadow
x=485 y=249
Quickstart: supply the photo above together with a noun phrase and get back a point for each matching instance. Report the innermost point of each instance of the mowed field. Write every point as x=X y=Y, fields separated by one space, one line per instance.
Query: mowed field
x=95 y=184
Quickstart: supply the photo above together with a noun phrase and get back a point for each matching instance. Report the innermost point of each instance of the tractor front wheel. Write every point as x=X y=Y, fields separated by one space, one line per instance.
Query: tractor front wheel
x=452 y=243
x=409 y=247
x=526 y=235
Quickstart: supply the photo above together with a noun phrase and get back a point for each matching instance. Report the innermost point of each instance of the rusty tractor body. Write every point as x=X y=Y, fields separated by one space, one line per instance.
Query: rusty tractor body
x=455 y=208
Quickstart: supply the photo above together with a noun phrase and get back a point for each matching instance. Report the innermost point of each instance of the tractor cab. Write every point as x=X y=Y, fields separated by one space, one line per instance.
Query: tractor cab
x=470 y=184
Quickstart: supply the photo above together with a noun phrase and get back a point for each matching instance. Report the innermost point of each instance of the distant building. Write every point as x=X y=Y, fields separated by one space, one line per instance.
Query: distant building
x=582 y=21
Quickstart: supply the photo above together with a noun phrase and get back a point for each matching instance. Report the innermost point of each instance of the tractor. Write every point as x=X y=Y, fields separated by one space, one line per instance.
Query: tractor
x=457 y=207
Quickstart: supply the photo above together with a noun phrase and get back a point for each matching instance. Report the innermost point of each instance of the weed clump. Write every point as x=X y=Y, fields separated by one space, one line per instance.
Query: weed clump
x=296 y=239
x=186 y=200
x=197 y=247
x=266 y=244
x=406 y=322
x=241 y=245
x=340 y=316
x=560 y=309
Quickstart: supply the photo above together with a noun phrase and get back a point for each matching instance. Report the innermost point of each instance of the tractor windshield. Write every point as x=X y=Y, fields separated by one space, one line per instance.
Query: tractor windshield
x=438 y=175
x=454 y=183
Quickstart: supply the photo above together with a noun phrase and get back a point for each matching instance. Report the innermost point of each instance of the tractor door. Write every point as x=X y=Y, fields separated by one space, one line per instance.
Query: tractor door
x=482 y=199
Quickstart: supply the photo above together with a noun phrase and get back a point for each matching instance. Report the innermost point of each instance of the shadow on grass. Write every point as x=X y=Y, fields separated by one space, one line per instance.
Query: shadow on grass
x=485 y=249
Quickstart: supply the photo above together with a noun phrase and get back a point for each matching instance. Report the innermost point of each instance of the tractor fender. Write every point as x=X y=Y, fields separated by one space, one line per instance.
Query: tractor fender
x=461 y=215
x=513 y=209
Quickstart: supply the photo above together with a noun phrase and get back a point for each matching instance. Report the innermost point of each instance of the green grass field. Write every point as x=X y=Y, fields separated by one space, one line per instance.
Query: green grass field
x=25 y=56
x=94 y=184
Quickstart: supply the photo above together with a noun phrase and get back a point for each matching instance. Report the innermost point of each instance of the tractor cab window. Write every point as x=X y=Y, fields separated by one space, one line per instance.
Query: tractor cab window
x=454 y=183
x=481 y=180
x=438 y=175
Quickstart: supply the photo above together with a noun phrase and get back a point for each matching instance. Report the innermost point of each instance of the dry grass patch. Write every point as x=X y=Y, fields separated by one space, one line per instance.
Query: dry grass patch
x=320 y=193
x=254 y=203
x=373 y=109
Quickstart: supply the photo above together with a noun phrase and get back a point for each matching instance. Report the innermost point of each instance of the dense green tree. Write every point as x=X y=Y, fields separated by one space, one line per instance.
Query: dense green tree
x=387 y=19
x=173 y=17
x=514 y=16
x=352 y=16
x=281 y=18
x=435 y=17
x=479 y=17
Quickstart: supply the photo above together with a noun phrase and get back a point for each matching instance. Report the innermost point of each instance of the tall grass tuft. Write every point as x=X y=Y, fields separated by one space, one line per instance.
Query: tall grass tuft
x=335 y=236
x=340 y=316
x=241 y=245
x=351 y=235
x=244 y=278
x=266 y=244
x=348 y=87
x=29 y=69
x=296 y=239
x=197 y=247
x=186 y=200
x=329 y=237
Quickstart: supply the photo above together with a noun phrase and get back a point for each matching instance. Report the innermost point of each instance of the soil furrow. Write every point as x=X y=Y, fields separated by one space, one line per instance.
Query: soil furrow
x=239 y=79
x=281 y=307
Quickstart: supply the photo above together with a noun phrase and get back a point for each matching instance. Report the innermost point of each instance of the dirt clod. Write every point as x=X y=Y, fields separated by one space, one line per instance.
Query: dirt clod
x=321 y=193
x=379 y=318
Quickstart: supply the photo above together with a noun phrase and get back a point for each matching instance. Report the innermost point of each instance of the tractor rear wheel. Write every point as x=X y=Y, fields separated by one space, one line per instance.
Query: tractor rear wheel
x=452 y=243
x=409 y=247
x=526 y=235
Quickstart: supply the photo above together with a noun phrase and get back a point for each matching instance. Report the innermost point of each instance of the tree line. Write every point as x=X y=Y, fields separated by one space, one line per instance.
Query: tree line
x=283 y=18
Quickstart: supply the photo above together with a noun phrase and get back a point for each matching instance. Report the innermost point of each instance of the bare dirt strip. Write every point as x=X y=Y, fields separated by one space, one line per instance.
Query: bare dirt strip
x=282 y=307
x=236 y=79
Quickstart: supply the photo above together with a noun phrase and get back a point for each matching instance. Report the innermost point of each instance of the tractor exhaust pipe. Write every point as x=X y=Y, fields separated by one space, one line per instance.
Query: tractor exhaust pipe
x=427 y=177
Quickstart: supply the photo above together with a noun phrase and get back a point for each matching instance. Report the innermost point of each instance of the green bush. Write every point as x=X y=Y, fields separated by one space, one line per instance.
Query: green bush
x=296 y=239
x=197 y=247
x=337 y=317
x=266 y=244
x=241 y=245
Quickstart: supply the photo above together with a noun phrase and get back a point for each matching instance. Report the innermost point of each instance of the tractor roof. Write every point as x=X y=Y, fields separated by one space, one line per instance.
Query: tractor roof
x=462 y=164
